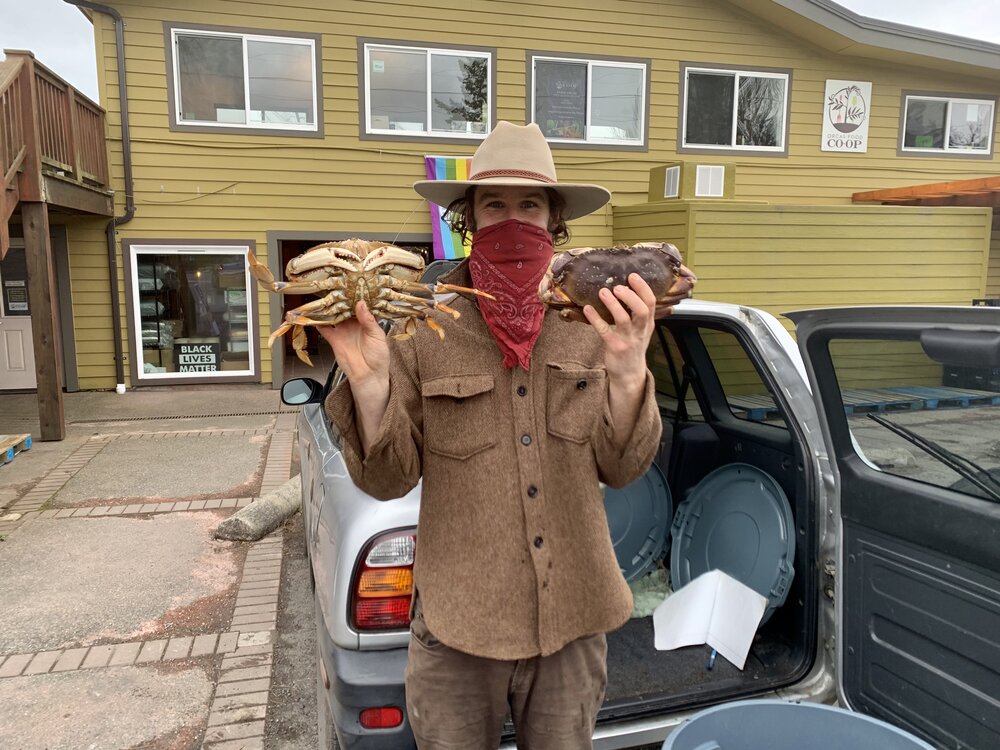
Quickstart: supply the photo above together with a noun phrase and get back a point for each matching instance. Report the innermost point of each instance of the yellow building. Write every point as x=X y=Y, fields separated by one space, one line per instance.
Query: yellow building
x=271 y=127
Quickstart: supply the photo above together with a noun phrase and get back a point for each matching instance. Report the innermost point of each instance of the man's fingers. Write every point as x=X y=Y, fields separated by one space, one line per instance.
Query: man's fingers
x=642 y=289
x=595 y=320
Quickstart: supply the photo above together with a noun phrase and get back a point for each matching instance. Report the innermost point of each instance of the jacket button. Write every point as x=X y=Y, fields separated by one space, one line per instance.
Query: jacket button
x=532 y=490
x=581 y=385
x=521 y=390
x=525 y=439
x=539 y=542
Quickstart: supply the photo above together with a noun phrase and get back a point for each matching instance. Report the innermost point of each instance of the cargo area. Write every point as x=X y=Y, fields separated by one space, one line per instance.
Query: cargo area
x=699 y=370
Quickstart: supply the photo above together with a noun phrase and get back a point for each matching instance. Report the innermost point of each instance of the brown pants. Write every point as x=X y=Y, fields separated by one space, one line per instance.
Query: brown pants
x=456 y=701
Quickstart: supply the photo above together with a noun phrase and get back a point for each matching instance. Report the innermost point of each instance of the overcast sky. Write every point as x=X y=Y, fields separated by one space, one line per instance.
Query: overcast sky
x=62 y=38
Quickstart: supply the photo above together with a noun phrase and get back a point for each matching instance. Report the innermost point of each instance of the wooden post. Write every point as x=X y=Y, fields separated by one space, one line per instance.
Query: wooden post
x=44 y=320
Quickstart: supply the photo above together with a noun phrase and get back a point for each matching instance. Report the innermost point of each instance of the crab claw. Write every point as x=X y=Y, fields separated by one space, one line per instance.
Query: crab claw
x=299 y=341
x=260 y=272
x=450 y=310
x=436 y=327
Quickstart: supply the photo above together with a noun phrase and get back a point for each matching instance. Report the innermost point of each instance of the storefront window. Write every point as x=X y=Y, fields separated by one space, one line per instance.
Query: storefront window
x=190 y=312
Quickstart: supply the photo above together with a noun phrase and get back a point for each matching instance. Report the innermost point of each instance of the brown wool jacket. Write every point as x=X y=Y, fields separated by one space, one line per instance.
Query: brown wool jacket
x=514 y=555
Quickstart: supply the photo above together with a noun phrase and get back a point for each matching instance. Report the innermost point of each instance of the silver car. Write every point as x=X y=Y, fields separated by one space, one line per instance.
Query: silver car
x=878 y=435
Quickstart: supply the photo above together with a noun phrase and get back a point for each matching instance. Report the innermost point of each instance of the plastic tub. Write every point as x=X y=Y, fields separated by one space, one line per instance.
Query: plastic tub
x=780 y=725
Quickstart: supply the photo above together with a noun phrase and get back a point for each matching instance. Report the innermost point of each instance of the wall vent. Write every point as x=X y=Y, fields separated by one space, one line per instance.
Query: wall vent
x=710 y=181
x=672 y=182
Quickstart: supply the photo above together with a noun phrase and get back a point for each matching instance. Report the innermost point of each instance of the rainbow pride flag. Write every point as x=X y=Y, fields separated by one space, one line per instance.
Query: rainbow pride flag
x=447 y=244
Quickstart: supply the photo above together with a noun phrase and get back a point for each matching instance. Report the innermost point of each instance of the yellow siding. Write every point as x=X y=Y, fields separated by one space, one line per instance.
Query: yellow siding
x=222 y=186
x=91 y=290
x=993 y=276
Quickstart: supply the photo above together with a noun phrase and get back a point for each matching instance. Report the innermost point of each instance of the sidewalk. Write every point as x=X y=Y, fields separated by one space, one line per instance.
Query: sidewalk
x=124 y=622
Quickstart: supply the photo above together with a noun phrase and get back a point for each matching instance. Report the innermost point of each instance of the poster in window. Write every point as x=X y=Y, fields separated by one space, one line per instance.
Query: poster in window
x=846 y=113
x=561 y=99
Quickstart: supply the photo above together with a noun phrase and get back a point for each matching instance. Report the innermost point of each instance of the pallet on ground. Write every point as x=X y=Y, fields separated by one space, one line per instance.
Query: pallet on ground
x=11 y=445
x=935 y=397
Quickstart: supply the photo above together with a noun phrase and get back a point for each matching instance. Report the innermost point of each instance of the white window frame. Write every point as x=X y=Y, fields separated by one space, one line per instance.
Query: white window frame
x=643 y=68
x=428 y=113
x=245 y=37
x=737 y=73
x=946 y=149
x=135 y=251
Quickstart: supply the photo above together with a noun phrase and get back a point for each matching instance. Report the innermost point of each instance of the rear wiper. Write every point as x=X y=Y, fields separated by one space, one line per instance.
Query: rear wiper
x=966 y=467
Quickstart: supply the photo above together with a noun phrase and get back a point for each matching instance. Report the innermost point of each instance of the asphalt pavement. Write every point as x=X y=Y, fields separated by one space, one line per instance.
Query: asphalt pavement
x=125 y=623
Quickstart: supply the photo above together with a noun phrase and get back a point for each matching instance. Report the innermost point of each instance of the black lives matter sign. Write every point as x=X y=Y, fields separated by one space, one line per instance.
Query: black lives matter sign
x=197 y=357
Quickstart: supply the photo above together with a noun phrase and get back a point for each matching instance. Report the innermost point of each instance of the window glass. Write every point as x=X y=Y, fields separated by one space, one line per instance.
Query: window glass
x=759 y=114
x=746 y=394
x=456 y=96
x=970 y=125
x=709 y=114
x=210 y=70
x=925 y=123
x=191 y=312
x=281 y=88
x=14 y=284
x=616 y=109
x=561 y=99
x=589 y=102
x=397 y=81
x=663 y=356
x=897 y=398
x=459 y=102
x=967 y=123
x=217 y=72
x=758 y=100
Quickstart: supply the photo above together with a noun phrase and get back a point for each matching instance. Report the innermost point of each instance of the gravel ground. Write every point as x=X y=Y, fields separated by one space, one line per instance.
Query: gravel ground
x=291 y=708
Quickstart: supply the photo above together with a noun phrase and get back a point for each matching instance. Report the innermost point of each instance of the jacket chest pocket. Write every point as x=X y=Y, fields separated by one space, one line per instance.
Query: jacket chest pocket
x=459 y=414
x=575 y=399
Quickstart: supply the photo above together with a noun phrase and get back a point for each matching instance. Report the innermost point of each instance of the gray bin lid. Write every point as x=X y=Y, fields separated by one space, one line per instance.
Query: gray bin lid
x=639 y=518
x=737 y=520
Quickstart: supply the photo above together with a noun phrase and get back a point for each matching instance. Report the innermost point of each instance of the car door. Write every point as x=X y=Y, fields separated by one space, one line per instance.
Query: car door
x=918 y=577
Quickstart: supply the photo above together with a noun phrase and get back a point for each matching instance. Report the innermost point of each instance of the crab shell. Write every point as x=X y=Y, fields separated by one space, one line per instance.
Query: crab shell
x=575 y=277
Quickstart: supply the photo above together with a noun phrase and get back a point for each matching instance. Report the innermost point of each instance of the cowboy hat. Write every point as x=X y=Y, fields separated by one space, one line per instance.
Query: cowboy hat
x=515 y=156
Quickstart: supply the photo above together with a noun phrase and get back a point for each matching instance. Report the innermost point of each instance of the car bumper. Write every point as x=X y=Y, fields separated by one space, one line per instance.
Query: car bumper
x=360 y=680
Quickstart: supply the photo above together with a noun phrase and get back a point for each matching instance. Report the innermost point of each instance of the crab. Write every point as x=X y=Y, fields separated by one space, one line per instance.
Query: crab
x=344 y=273
x=574 y=277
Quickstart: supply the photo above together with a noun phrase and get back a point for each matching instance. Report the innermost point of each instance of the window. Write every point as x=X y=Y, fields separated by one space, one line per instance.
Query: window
x=939 y=124
x=731 y=109
x=916 y=418
x=243 y=81
x=416 y=91
x=589 y=101
x=191 y=309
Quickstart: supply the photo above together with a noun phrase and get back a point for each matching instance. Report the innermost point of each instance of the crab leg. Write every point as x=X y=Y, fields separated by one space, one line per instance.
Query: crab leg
x=465 y=291
x=299 y=341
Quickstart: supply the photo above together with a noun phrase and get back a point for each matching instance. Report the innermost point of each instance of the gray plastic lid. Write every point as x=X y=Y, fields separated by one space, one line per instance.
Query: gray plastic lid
x=737 y=520
x=639 y=518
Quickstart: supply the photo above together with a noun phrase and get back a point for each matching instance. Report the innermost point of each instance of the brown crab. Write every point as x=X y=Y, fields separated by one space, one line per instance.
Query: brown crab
x=384 y=276
x=576 y=276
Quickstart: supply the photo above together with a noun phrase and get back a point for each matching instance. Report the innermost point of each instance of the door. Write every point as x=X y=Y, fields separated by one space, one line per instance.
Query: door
x=17 y=353
x=910 y=399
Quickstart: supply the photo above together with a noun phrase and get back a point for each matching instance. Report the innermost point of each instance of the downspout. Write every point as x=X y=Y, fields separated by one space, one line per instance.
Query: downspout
x=125 y=218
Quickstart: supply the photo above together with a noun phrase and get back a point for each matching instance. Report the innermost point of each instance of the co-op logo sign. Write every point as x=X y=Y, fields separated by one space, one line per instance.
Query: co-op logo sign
x=845 y=116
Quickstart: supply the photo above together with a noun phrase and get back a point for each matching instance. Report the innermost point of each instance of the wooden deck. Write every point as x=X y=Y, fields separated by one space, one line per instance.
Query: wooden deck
x=52 y=143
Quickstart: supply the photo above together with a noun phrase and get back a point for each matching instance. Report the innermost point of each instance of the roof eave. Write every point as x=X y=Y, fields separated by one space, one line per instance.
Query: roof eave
x=844 y=32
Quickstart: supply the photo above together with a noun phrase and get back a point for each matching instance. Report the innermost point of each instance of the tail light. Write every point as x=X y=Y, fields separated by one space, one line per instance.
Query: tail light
x=381 y=718
x=383 y=583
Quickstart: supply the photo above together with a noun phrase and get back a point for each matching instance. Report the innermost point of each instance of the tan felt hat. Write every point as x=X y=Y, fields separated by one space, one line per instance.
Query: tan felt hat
x=516 y=155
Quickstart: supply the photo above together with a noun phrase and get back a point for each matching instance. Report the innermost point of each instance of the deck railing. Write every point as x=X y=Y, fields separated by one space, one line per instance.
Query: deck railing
x=47 y=128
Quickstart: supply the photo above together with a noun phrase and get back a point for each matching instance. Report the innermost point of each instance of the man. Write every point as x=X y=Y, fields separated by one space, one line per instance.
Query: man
x=512 y=420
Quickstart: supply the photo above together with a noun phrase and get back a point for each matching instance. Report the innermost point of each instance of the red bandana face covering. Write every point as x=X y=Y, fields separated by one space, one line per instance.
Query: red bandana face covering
x=508 y=261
